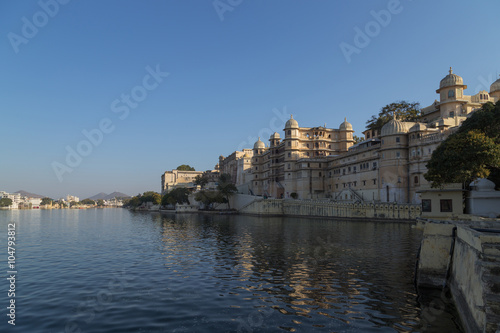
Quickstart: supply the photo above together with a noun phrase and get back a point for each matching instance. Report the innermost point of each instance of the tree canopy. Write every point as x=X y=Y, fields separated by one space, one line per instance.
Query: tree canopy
x=139 y=199
x=178 y=195
x=5 y=202
x=209 y=198
x=46 y=201
x=88 y=202
x=405 y=111
x=226 y=187
x=151 y=196
x=185 y=167
x=357 y=139
x=201 y=180
x=471 y=152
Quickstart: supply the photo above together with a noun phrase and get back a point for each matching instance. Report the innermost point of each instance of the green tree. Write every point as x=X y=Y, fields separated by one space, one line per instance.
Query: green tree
x=87 y=202
x=100 y=202
x=471 y=152
x=463 y=157
x=185 y=167
x=5 y=202
x=178 y=195
x=201 y=180
x=151 y=196
x=357 y=139
x=209 y=198
x=226 y=187
x=133 y=202
x=405 y=111
x=73 y=203
x=46 y=201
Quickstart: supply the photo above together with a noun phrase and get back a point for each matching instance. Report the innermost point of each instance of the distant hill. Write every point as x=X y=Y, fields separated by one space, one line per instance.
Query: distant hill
x=105 y=196
x=30 y=195
x=118 y=195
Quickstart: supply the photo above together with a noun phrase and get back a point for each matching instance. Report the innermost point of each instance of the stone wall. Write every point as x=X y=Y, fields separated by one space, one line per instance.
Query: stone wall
x=466 y=258
x=331 y=209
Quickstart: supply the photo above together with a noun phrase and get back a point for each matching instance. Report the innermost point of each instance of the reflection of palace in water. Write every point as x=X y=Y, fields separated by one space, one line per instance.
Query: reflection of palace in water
x=320 y=162
x=334 y=270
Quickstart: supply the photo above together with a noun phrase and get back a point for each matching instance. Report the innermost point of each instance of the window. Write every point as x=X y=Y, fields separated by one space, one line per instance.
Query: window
x=289 y=154
x=289 y=132
x=355 y=184
x=289 y=143
x=446 y=206
x=336 y=186
x=364 y=182
x=374 y=182
x=451 y=93
x=452 y=114
x=398 y=154
x=320 y=174
x=397 y=139
x=415 y=180
x=426 y=205
x=368 y=135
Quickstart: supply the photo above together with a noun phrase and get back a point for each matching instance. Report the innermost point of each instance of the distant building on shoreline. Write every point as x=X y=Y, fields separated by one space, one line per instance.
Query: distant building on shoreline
x=21 y=202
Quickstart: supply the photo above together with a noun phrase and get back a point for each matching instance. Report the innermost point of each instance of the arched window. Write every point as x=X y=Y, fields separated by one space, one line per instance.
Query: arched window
x=289 y=132
x=451 y=93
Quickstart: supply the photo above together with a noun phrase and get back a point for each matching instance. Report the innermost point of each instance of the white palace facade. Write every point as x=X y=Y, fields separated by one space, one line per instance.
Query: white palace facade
x=320 y=162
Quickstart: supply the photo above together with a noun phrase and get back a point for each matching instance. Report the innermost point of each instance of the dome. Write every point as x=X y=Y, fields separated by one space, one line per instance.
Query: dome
x=275 y=136
x=259 y=145
x=418 y=127
x=495 y=86
x=292 y=123
x=482 y=184
x=451 y=80
x=345 y=126
x=395 y=126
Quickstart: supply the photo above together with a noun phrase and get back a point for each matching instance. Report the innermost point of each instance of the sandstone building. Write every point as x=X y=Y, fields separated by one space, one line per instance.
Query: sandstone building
x=320 y=162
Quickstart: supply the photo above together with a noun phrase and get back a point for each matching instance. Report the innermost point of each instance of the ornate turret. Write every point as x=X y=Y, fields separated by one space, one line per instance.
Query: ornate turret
x=259 y=144
x=495 y=89
x=345 y=126
x=451 y=80
x=291 y=123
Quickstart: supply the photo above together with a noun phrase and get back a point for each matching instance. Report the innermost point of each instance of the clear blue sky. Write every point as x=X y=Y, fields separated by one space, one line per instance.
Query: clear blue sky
x=225 y=78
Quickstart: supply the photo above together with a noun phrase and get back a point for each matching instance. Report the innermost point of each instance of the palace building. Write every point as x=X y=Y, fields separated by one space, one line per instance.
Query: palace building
x=324 y=163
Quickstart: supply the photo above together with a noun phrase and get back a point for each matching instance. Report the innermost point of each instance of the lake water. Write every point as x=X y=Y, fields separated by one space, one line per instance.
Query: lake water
x=111 y=270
